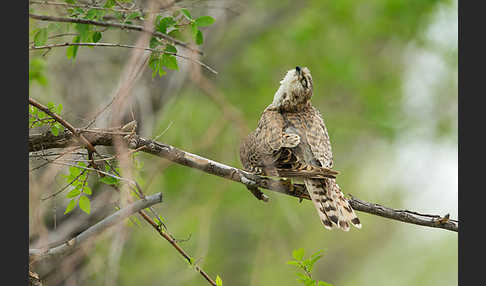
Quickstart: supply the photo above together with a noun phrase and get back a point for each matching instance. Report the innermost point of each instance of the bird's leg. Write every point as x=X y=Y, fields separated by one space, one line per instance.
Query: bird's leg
x=257 y=193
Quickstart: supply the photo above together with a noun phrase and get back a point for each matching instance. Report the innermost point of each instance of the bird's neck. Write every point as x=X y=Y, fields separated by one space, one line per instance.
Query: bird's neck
x=292 y=108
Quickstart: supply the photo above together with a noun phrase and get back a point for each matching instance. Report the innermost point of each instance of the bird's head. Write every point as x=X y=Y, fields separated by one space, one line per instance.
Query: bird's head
x=295 y=89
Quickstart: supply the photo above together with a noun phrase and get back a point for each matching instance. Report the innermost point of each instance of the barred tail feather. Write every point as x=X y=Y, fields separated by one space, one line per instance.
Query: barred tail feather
x=332 y=207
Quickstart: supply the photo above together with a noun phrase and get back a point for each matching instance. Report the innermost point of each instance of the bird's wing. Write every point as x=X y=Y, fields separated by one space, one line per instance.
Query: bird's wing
x=318 y=139
x=260 y=148
x=331 y=205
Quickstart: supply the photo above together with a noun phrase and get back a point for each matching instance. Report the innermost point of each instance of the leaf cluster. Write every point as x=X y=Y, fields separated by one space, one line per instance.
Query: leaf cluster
x=306 y=265
x=174 y=26
x=39 y=118
x=80 y=191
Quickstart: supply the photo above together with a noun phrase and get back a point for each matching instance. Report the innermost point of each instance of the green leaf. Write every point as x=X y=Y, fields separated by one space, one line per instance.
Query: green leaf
x=73 y=193
x=169 y=61
x=70 y=206
x=322 y=283
x=293 y=262
x=84 y=31
x=186 y=13
x=153 y=43
x=171 y=49
x=307 y=265
x=78 y=11
x=314 y=259
x=161 y=71
x=153 y=63
x=302 y=276
x=199 y=37
x=84 y=204
x=51 y=106
x=134 y=15
x=310 y=282
x=109 y=180
x=96 y=37
x=73 y=171
x=317 y=253
x=71 y=51
x=87 y=190
x=40 y=37
x=165 y=23
x=37 y=68
x=298 y=254
x=176 y=34
x=194 y=30
x=59 y=127
x=109 y=4
x=159 y=66
x=91 y=14
x=204 y=21
x=219 y=282
x=55 y=130
x=41 y=115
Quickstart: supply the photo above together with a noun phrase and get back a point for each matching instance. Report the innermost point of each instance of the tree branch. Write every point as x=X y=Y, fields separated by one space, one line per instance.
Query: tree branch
x=99 y=227
x=116 y=25
x=63 y=122
x=111 y=45
x=105 y=137
x=173 y=242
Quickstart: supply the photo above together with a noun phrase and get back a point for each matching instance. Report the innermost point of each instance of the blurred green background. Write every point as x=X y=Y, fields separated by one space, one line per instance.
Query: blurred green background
x=385 y=81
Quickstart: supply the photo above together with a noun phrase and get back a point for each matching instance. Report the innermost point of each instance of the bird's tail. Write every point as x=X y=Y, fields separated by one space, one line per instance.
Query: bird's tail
x=332 y=207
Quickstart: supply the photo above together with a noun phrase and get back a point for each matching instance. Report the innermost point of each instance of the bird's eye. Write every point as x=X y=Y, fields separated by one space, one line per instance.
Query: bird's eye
x=303 y=81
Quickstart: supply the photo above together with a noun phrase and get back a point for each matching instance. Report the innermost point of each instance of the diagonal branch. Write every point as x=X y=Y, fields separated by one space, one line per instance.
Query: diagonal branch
x=63 y=122
x=105 y=137
x=99 y=227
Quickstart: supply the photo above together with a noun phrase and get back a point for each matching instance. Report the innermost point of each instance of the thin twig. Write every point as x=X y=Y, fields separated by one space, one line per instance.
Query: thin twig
x=63 y=188
x=111 y=45
x=87 y=6
x=173 y=242
x=115 y=25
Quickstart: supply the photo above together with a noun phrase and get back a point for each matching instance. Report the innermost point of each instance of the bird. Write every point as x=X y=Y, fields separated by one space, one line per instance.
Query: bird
x=291 y=142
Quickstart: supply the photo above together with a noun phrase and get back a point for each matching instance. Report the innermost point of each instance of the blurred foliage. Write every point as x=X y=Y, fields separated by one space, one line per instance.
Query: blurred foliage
x=360 y=54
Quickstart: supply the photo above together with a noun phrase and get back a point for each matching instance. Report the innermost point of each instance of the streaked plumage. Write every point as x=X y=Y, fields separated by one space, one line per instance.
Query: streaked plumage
x=291 y=141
